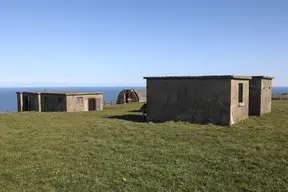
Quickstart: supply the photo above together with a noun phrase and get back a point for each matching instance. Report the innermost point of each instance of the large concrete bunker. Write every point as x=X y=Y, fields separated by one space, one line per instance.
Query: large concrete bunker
x=222 y=99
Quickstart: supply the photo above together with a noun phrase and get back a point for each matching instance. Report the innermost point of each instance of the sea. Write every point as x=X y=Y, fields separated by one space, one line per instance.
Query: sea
x=8 y=96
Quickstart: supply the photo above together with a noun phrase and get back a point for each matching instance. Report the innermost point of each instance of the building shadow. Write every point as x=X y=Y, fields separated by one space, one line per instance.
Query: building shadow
x=135 y=111
x=129 y=117
x=140 y=119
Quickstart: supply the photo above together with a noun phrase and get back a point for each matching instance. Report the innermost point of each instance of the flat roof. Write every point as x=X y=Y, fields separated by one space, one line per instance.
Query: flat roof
x=202 y=77
x=262 y=77
x=62 y=93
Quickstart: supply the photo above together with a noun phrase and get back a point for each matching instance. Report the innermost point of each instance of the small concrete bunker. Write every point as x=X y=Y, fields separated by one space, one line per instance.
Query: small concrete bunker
x=222 y=100
x=48 y=101
x=131 y=95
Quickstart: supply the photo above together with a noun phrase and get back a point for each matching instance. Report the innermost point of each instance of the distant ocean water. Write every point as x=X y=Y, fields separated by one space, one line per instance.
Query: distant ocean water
x=8 y=97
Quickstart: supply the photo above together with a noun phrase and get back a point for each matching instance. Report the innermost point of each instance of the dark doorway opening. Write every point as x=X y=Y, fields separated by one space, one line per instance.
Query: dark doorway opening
x=127 y=97
x=27 y=104
x=92 y=104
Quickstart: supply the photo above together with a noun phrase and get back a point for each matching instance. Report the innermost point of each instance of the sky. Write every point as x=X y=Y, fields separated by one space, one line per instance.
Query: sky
x=113 y=42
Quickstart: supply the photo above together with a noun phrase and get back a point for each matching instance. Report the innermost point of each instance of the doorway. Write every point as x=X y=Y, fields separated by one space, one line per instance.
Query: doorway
x=91 y=104
x=27 y=104
x=127 y=97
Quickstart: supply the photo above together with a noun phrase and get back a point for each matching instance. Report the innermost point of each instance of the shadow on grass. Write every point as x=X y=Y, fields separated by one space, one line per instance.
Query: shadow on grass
x=139 y=118
x=135 y=111
x=130 y=117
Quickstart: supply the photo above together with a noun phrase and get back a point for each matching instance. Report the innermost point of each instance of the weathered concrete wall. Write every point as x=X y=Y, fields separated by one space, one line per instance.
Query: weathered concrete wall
x=260 y=96
x=266 y=96
x=73 y=106
x=53 y=102
x=34 y=101
x=194 y=100
x=239 y=111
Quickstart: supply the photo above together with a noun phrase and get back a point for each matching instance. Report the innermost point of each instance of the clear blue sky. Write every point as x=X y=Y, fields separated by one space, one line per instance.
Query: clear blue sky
x=117 y=42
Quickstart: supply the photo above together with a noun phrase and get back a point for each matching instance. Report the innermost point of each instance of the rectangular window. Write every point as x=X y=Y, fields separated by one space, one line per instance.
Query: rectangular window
x=79 y=99
x=240 y=93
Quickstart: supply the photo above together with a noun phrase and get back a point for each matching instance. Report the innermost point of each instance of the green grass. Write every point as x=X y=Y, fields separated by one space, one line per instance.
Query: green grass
x=93 y=151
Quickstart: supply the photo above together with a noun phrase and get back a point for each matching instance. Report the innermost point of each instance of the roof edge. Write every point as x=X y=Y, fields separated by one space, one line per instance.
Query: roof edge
x=85 y=93
x=262 y=77
x=201 y=77
x=61 y=93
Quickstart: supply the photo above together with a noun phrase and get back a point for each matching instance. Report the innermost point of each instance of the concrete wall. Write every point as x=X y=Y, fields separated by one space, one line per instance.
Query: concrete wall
x=73 y=106
x=239 y=111
x=260 y=96
x=33 y=98
x=51 y=102
x=266 y=96
x=194 y=100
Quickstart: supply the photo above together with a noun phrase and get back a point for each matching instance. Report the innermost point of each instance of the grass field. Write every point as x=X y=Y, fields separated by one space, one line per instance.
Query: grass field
x=93 y=151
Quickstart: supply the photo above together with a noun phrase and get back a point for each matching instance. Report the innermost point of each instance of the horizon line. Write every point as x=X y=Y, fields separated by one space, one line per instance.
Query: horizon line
x=62 y=86
x=78 y=86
